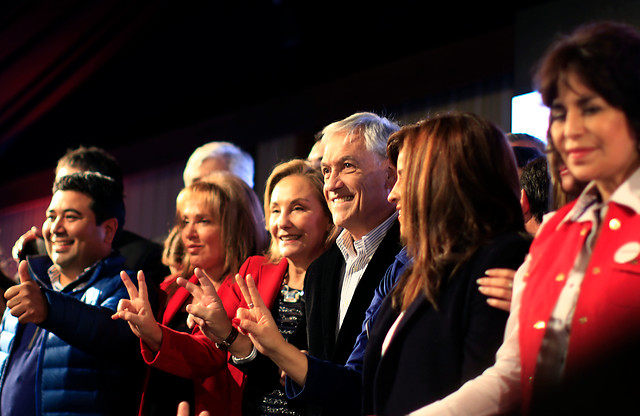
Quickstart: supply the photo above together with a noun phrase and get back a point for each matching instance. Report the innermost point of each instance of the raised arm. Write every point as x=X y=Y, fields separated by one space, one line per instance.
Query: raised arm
x=258 y=323
x=137 y=312
x=208 y=312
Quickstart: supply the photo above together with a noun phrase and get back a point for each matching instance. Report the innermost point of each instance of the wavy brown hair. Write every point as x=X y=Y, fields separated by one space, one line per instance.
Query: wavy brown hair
x=460 y=189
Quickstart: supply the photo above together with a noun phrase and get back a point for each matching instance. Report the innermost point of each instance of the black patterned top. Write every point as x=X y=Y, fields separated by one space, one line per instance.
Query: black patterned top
x=266 y=392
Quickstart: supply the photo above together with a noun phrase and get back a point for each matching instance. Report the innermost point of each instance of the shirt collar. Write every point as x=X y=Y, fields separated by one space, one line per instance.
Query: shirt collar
x=55 y=273
x=627 y=194
x=368 y=243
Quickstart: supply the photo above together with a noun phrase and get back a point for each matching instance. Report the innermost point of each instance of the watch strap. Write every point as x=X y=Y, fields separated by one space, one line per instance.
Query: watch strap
x=226 y=343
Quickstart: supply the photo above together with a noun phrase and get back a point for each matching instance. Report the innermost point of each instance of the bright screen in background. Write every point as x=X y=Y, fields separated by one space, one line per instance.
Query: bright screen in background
x=529 y=115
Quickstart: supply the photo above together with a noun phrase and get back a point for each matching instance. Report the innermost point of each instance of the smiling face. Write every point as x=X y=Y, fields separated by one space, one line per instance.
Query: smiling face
x=592 y=137
x=201 y=238
x=72 y=238
x=356 y=184
x=297 y=220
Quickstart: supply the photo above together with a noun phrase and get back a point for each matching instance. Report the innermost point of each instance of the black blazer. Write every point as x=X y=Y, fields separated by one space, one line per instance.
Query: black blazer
x=322 y=289
x=433 y=353
x=142 y=254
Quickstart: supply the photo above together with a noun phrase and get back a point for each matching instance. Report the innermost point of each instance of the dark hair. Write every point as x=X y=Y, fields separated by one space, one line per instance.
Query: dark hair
x=460 y=189
x=92 y=159
x=606 y=58
x=536 y=183
x=526 y=138
x=525 y=154
x=5 y=281
x=174 y=252
x=106 y=196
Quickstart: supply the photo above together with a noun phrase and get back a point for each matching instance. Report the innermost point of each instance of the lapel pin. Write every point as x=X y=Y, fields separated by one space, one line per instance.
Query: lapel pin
x=627 y=253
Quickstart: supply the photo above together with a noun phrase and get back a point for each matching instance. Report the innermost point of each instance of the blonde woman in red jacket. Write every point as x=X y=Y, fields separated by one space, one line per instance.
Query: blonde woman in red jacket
x=220 y=222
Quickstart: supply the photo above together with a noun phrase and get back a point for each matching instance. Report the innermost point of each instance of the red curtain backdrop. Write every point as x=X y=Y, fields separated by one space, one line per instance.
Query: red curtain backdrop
x=49 y=47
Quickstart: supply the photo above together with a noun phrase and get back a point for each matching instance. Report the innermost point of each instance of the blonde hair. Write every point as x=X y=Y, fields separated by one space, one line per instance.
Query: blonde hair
x=174 y=255
x=237 y=210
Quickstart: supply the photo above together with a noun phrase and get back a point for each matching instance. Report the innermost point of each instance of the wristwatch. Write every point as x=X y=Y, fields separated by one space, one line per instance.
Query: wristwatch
x=226 y=343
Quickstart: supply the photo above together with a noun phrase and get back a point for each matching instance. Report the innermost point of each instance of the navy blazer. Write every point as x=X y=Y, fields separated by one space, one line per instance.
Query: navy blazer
x=433 y=352
x=338 y=388
x=322 y=292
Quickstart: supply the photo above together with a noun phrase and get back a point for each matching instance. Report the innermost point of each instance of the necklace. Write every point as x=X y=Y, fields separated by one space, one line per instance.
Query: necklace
x=289 y=294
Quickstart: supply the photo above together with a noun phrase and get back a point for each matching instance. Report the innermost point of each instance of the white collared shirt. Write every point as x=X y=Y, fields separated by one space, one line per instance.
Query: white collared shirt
x=357 y=255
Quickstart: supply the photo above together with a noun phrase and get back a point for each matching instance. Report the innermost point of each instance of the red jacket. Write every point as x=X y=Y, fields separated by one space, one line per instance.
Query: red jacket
x=608 y=307
x=217 y=385
x=268 y=278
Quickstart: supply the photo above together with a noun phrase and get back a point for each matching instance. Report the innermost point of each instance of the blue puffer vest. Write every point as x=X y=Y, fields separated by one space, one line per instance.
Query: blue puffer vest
x=89 y=364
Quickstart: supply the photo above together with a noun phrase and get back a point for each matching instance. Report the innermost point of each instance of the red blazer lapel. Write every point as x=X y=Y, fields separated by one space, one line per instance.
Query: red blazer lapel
x=271 y=281
x=176 y=301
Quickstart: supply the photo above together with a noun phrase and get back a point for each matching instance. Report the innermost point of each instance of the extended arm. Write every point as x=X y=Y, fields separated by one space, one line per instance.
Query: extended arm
x=208 y=312
x=182 y=354
x=258 y=323
x=327 y=382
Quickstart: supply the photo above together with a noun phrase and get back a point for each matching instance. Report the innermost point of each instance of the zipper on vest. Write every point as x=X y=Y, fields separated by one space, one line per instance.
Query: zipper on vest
x=33 y=338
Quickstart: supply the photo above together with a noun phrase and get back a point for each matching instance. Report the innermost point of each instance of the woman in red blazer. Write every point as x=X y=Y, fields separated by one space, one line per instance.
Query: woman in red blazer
x=301 y=228
x=220 y=223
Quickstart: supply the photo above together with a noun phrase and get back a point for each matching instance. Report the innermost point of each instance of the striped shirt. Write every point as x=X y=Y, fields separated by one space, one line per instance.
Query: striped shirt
x=55 y=276
x=357 y=255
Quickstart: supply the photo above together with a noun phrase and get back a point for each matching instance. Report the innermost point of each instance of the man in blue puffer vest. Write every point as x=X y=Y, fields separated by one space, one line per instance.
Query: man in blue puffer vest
x=60 y=351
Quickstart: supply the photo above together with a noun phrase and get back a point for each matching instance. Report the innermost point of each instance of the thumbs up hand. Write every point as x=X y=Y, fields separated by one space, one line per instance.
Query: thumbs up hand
x=25 y=300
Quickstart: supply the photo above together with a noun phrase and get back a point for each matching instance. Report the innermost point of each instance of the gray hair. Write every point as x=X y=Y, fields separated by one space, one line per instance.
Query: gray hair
x=238 y=162
x=374 y=129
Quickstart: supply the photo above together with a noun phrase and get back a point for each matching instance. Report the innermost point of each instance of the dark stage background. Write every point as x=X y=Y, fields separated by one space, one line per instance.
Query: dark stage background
x=152 y=80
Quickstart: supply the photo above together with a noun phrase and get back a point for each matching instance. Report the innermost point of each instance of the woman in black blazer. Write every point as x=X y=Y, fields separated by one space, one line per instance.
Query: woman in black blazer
x=457 y=193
